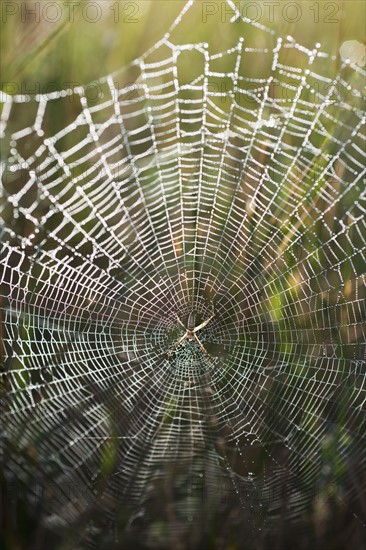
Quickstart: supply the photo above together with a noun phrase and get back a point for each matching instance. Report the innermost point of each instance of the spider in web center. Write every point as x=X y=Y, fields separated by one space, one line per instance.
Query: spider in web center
x=191 y=330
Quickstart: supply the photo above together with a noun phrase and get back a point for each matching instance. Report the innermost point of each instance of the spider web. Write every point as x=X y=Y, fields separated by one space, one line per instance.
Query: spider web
x=227 y=183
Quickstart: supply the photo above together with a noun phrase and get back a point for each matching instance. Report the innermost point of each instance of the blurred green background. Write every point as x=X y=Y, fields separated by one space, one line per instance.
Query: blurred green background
x=46 y=47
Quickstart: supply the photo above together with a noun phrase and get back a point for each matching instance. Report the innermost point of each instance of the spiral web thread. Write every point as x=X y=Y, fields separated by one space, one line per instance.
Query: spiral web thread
x=188 y=188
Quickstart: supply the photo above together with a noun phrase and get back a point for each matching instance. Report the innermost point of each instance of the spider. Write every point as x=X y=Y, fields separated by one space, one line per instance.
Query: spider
x=191 y=330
